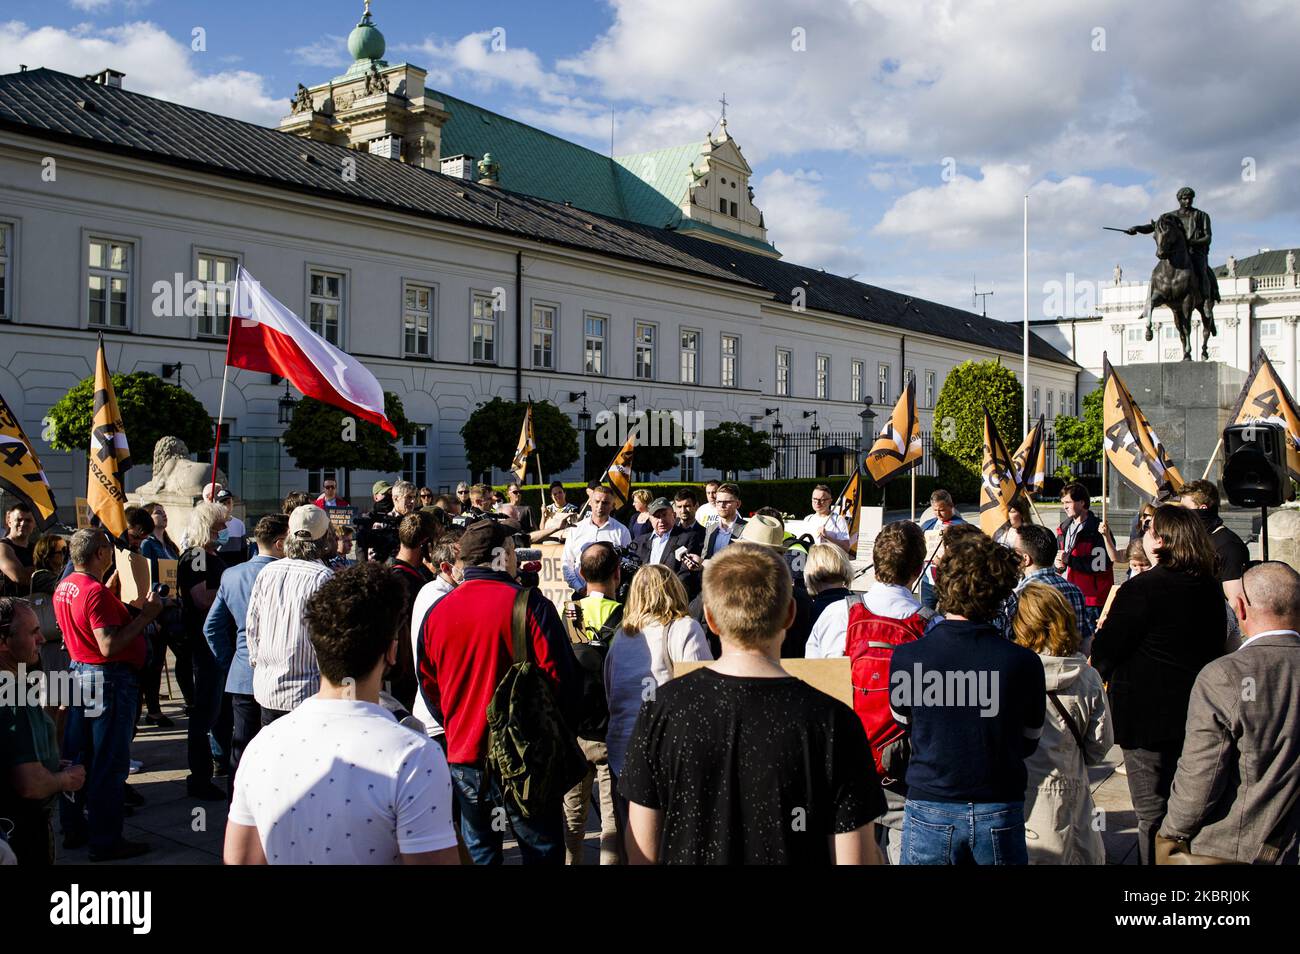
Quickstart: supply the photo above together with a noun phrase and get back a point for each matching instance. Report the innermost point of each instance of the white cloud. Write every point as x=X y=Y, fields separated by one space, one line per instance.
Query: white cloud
x=805 y=225
x=155 y=64
x=91 y=6
x=486 y=61
x=329 y=50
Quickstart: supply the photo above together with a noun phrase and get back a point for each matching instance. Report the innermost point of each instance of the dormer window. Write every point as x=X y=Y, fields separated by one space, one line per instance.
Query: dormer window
x=722 y=206
x=733 y=210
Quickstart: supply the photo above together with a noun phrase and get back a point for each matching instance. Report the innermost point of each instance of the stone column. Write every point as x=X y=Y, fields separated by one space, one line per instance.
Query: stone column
x=1233 y=338
x=1289 y=351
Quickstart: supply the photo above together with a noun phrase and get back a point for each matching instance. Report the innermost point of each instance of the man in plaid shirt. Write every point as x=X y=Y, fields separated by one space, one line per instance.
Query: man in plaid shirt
x=1037 y=549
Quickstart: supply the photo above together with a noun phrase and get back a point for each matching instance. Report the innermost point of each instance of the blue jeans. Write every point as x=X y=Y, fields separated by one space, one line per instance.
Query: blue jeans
x=102 y=743
x=483 y=812
x=206 y=711
x=964 y=833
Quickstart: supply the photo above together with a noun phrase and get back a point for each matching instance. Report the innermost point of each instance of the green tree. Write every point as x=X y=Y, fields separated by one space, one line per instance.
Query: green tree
x=151 y=409
x=732 y=447
x=1078 y=439
x=969 y=389
x=324 y=436
x=491 y=436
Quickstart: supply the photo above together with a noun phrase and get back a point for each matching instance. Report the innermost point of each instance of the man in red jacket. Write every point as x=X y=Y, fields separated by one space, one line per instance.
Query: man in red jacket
x=465 y=650
x=1084 y=557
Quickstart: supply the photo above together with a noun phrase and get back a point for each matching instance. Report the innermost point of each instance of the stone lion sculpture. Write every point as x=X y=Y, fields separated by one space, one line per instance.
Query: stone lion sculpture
x=175 y=473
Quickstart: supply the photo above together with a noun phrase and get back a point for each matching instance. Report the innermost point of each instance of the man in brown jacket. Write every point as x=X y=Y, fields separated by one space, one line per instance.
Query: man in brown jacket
x=1237 y=783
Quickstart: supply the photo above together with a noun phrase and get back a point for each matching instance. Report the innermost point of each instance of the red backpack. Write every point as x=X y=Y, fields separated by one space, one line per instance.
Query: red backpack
x=870 y=643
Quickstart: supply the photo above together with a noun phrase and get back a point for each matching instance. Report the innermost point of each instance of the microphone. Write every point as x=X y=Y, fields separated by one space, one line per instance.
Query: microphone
x=679 y=553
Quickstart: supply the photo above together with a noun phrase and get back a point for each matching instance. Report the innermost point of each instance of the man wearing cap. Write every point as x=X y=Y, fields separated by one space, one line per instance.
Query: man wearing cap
x=377 y=530
x=666 y=539
x=235 y=547
x=465 y=649
x=279 y=645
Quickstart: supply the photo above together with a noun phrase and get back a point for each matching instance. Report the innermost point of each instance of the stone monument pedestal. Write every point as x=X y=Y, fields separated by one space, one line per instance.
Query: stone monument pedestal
x=1188 y=404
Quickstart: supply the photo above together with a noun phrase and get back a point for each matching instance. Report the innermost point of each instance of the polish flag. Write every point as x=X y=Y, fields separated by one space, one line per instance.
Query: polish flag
x=266 y=336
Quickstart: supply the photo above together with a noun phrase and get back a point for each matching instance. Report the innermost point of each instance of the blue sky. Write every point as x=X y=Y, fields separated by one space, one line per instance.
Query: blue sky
x=890 y=139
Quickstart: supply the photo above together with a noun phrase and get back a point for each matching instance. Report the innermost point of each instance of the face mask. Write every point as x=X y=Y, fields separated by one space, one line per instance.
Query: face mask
x=223 y=537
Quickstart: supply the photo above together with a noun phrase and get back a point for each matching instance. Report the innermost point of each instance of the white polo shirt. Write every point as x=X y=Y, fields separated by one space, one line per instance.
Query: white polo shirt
x=340 y=782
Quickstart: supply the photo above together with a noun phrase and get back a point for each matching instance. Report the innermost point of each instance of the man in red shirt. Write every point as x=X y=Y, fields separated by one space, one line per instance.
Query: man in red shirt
x=329 y=497
x=466 y=648
x=108 y=649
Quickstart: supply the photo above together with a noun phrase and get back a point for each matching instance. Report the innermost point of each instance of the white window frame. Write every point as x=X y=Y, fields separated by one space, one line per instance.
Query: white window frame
x=689 y=356
x=639 y=347
x=884 y=379
x=822 y=369
x=782 y=379
x=417 y=446
x=931 y=385
x=132 y=245
x=197 y=255
x=410 y=284
x=344 y=276
x=1037 y=403
x=856 y=370
x=1273 y=326
x=729 y=361
x=493 y=322
x=1051 y=414
x=9 y=269
x=588 y=338
x=550 y=349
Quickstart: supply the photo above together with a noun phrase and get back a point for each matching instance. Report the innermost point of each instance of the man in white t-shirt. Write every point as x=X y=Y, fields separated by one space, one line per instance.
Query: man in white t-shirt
x=707 y=513
x=338 y=780
x=826 y=527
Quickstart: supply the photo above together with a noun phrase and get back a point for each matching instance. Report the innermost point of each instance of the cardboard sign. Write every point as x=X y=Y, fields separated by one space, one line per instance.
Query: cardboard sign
x=83 y=513
x=831 y=676
x=167 y=575
x=132 y=575
x=551 y=576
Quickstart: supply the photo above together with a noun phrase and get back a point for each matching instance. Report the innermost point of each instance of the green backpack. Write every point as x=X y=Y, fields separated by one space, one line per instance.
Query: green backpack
x=531 y=751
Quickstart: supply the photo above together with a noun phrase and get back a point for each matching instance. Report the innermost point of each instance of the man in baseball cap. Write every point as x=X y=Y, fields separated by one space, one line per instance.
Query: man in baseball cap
x=666 y=543
x=308 y=522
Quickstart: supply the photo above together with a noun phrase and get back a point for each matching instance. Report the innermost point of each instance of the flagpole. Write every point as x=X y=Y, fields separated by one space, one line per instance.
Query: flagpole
x=1105 y=487
x=541 y=491
x=914 y=495
x=1213 y=457
x=221 y=406
x=1024 y=426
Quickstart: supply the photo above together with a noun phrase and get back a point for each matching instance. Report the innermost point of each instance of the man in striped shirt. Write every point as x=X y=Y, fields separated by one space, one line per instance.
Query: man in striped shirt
x=284 y=665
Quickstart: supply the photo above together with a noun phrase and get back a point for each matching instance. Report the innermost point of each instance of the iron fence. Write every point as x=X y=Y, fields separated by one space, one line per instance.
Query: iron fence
x=793 y=457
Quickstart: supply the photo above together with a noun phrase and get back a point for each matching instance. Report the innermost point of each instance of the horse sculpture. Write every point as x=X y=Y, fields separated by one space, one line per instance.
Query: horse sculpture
x=1174 y=285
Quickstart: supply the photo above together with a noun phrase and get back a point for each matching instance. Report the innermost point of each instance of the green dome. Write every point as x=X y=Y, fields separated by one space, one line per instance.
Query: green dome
x=366 y=42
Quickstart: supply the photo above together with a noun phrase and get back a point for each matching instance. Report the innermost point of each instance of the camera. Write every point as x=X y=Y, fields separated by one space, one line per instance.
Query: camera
x=628 y=564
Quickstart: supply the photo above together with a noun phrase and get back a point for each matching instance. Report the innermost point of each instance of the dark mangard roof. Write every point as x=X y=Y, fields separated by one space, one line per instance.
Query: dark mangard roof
x=57 y=106
x=1272 y=262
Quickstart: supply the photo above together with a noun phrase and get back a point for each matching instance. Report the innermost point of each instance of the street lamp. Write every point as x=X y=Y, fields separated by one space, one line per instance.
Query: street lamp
x=814 y=429
x=778 y=443
x=584 y=416
x=630 y=401
x=286 y=404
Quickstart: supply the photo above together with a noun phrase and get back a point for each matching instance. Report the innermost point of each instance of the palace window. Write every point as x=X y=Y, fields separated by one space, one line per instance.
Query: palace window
x=782 y=372
x=594 y=344
x=417 y=320
x=483 y=330
x=109 y=282
x=690 y=359
x=883 y=373
x=415 y=457
x=823 y=376
x=644 y=366
x=543 y=336
x=325 y=305
x=855 y=382
x=217 y=275
x=730 y=361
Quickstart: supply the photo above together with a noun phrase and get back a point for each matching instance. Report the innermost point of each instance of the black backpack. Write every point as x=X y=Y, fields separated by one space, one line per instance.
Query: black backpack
x=590 y=654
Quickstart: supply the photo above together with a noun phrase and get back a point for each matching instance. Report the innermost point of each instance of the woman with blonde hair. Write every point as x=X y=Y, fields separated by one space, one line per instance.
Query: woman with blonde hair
x=641 y=525
x=657 y=631
x=1076 y=733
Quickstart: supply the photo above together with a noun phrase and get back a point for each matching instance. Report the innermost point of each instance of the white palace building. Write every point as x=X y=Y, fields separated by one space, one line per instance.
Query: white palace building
x=1259 y=309
x=460 y=254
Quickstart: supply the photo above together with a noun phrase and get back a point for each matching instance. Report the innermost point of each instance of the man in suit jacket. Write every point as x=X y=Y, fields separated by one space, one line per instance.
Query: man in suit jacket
x=666 y=538
x=729 y=524
x=1236 y=780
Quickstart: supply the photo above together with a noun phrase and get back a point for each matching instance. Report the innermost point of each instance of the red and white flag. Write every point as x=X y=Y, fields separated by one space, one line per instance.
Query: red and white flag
x=266 y=336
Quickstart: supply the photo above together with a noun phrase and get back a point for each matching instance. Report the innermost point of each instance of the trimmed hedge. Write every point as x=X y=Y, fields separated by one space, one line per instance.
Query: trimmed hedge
x=788 y=496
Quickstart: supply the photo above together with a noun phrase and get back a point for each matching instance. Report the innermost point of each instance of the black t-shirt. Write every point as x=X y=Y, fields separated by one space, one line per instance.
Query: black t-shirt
x=190 y=572
x=750 y=770
x=1232 y=552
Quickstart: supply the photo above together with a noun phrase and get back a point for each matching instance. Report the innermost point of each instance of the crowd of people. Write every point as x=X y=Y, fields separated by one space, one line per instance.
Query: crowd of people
x=397 y=689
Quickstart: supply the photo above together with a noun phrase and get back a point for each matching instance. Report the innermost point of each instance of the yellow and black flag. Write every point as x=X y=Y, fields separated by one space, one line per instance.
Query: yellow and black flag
x=620 y=472
x=21 y=473
x=1266 y=400
x=110 y=457
x=1030 y=458
x=527 y=445
x=998 y=482
x=1130 y=443
x=898 y=448
x=850 y=508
